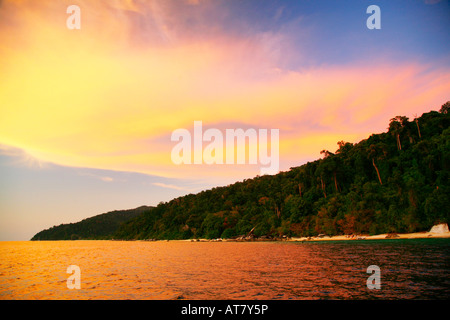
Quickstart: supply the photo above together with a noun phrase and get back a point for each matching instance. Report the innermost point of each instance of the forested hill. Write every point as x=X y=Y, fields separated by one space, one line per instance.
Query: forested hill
x=101 y=226
x=397 y=181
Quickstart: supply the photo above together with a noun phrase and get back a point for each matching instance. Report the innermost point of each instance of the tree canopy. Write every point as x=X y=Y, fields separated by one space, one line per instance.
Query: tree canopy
x=102 y=226
x=396 y=181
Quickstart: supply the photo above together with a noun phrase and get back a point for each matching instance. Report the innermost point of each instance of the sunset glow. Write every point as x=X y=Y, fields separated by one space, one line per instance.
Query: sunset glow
x=109 y=96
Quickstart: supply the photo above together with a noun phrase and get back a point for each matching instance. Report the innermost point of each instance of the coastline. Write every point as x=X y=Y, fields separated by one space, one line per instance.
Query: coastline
x=387 y=236
x=440 y=231
x=384 y=236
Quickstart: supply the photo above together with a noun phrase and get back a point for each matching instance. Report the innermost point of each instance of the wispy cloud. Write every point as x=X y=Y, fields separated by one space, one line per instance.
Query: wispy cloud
x=96 y=176
x=20 y=157
x=169 y=186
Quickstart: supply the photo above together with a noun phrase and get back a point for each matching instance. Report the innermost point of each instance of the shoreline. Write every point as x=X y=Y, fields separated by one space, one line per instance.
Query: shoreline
x=384 y=236
x=432 y=234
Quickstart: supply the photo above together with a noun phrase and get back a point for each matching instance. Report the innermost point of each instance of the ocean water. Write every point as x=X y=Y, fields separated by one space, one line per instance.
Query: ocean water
x=409 y=269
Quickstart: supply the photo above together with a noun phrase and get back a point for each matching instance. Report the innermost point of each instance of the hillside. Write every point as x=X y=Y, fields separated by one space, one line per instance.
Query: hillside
x=101 y=226
x=396 y=181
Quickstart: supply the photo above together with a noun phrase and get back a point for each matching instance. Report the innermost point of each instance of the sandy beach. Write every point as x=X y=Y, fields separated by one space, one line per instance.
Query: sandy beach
x=438 y=231
x=385 y=236
x=415 y=235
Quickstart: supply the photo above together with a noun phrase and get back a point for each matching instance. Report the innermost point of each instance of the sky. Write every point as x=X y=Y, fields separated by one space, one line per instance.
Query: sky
x=86 y=115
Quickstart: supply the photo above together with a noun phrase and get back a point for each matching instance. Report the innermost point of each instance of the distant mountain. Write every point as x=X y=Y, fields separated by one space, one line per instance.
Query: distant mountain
x=102 y=226
x=397 y=181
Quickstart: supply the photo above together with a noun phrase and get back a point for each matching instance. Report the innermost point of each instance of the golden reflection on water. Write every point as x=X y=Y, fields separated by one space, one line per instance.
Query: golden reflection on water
x=216 y=270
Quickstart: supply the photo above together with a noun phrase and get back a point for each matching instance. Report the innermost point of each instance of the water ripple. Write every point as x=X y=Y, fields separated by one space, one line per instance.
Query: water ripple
x=412 y=269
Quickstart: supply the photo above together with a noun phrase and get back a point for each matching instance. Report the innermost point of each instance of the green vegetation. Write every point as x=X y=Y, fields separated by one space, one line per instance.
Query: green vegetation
x=102 y=226
x=396 y=181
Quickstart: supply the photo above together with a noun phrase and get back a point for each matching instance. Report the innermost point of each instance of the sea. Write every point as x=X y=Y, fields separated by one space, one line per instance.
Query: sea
x=183 y=270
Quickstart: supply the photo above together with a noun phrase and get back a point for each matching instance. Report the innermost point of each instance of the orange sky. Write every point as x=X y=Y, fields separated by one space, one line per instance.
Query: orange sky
x=108 y=96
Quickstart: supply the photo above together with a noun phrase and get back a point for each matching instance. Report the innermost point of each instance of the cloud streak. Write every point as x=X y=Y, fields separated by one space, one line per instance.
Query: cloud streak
x=169 y=186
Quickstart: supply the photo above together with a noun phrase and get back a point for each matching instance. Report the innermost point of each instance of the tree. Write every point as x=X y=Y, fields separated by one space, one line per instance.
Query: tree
x=436 y=206
x=377 y=151
x=321 y=172
x=212 y=226
x=417 y=124
x=445 y=107
x=396 y=126
x=344 y=147
x=330 y=165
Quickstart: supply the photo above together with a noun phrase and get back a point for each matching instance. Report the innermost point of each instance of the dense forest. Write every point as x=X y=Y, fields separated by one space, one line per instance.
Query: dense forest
x=102 y=226
x=396 y=181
